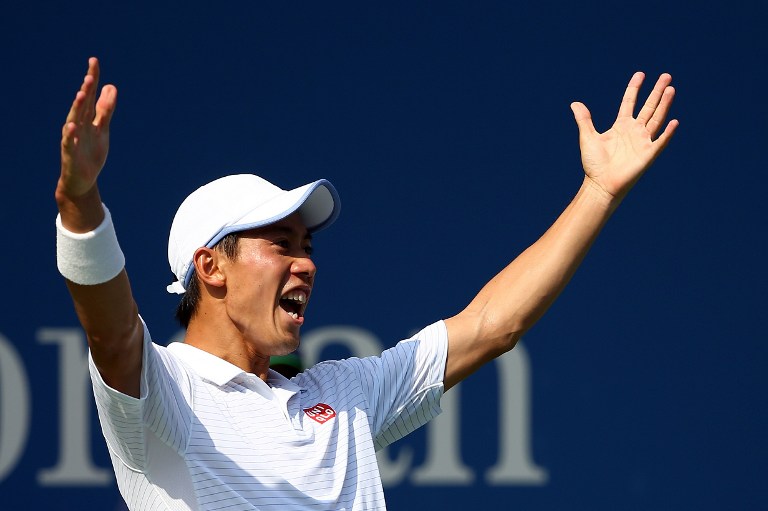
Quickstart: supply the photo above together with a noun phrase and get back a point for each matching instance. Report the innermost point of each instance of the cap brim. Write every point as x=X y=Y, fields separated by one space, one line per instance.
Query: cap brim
x=317 y=202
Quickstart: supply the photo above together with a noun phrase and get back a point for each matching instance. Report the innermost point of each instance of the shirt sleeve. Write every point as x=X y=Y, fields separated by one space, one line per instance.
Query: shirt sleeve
x=404 y=385
x=163 y=408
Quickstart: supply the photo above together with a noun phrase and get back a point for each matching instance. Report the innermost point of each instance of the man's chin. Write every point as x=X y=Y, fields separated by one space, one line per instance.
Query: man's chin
x=287 y=346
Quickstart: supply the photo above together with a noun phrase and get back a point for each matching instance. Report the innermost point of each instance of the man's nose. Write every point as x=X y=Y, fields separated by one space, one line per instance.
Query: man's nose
x=304 y=266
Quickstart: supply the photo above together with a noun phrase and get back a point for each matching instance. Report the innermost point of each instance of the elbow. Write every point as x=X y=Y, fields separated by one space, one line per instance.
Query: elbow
x=502 y=335
x=508 y=342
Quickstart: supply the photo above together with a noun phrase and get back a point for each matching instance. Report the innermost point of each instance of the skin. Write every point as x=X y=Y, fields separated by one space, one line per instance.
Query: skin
x=518 y=296
x=271 y=262
x=240 y=319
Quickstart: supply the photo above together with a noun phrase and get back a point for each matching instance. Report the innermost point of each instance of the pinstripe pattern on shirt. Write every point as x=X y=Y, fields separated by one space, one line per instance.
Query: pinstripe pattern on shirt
x=206 y=435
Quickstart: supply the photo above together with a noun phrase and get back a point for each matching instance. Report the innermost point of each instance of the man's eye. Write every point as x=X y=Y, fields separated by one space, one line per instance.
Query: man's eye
x=309 y=250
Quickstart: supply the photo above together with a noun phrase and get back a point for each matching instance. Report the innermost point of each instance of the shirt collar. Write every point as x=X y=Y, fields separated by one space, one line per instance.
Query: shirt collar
x=208 y=366
x=218 y=371
x=278 y=381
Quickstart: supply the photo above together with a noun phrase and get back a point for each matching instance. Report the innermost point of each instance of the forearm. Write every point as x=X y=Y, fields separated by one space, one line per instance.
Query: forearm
x=100 y=289
x=94 y=271
x=518 y=296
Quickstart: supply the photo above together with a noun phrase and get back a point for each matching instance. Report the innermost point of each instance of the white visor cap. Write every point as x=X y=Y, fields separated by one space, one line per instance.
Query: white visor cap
x=238 y=203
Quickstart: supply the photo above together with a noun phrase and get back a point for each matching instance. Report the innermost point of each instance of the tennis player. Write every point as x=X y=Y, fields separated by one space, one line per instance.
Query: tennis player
x=205 y=424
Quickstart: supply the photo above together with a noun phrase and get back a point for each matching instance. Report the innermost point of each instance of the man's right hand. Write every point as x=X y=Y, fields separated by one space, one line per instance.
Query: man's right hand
x=84 y=148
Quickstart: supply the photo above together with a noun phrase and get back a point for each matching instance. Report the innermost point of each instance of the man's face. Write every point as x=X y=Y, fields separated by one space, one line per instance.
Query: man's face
x=268 y=285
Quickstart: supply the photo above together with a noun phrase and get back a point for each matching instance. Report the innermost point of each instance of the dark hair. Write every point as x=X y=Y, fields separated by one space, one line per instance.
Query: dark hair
x=190 y=300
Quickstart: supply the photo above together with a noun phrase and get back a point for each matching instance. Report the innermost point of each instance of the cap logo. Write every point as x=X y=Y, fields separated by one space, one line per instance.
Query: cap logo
x=321 y=413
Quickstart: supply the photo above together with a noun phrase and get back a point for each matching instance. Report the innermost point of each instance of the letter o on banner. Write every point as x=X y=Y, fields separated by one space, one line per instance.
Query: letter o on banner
x=14 y=407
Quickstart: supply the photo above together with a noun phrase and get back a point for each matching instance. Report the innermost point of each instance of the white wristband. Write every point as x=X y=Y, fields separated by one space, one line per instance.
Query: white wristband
x=89 y=258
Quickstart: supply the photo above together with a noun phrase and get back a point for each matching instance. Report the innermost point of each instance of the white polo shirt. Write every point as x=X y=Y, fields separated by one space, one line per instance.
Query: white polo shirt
x=206 y=435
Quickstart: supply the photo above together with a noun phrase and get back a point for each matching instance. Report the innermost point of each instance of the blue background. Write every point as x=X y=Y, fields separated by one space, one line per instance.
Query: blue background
x=446 y=128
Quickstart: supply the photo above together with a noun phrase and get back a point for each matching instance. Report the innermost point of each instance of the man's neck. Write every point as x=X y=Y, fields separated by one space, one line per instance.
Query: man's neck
x=227 y=343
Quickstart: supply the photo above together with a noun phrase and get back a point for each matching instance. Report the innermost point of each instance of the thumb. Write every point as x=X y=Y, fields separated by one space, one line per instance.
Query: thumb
x=583 y=118
x=105 y=106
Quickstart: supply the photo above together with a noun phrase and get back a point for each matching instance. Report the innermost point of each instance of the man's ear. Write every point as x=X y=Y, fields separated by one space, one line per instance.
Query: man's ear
x=206 y=261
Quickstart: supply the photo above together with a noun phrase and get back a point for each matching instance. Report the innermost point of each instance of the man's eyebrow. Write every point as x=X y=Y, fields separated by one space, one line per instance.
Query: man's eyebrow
x=282 y=229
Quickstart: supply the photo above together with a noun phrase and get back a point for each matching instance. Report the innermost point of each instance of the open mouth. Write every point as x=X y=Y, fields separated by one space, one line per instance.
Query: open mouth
x=294 y=302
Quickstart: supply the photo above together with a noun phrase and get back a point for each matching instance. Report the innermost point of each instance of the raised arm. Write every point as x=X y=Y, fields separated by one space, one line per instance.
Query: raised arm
x=106 y=309
x=519 y=295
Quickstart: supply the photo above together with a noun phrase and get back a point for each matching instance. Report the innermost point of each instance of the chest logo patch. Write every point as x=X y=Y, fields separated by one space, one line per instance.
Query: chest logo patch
x=321 y=413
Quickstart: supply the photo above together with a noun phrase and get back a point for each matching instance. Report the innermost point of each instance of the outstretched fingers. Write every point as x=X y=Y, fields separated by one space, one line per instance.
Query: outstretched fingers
x=660 y=111
x=87 y=112
x=82 y=109
x=105 y=107
x=74 y=120
x=628 y=102
x=654 y=98
x=666 y=136
x=90 y=87
x=656 y=107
